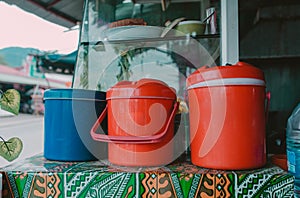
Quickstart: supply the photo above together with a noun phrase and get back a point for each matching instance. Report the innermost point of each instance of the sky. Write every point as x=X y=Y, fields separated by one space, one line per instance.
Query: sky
x=23 y=29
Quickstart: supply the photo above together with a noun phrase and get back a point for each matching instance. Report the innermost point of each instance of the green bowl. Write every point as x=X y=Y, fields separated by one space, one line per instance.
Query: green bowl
x=191 y=27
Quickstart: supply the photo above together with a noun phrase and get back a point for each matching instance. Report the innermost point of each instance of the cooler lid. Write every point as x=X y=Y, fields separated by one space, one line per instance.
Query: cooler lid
x=239 y=71
x=150 y=88
x=73 y=94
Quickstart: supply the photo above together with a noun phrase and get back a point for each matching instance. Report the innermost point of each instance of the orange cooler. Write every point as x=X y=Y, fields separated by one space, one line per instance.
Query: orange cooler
x=227 y=117
x=140 y=123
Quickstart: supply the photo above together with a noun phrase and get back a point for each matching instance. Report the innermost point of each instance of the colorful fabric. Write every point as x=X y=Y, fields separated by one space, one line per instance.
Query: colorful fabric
x=37 y=177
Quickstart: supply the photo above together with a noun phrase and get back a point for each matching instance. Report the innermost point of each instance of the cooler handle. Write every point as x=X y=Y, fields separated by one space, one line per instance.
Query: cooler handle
x=268 y=97
x=130 y=139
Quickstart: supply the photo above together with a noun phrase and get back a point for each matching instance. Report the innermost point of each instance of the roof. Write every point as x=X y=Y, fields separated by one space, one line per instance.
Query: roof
x=66 y=13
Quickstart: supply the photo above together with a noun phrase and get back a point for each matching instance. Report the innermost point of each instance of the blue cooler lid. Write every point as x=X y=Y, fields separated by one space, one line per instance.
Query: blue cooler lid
x=74 y=94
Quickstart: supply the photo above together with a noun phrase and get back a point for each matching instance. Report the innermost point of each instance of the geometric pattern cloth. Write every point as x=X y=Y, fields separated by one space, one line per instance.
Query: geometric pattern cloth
x=38 y=177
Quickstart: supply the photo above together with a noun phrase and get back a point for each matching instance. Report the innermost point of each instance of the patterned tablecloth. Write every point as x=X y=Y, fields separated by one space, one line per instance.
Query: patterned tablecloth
x=38 y=177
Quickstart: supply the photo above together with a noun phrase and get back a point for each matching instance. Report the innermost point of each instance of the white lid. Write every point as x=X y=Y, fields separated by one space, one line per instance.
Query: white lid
x=229 y=81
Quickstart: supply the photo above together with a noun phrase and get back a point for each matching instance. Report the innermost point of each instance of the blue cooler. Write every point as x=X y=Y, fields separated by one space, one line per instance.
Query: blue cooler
x=69 y=116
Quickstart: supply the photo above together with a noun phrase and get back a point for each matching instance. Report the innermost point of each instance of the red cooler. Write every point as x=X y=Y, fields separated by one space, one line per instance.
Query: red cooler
x=227 y=117
x=140 y=123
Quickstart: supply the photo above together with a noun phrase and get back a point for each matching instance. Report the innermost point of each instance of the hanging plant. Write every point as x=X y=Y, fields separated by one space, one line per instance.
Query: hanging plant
x=10 y=101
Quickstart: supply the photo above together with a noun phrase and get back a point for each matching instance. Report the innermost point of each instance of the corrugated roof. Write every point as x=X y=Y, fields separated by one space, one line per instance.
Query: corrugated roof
x=62 y=12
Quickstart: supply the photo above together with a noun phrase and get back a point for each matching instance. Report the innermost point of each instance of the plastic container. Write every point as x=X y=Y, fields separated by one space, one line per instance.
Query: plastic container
x=227 y=117
x=69 y=116
x=280 y=160
x=140 y=123
x=191 y=27
x=293 y=148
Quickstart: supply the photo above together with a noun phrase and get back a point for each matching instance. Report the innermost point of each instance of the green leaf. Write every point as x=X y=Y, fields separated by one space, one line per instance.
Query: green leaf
x=11 y=149
x=10 y=101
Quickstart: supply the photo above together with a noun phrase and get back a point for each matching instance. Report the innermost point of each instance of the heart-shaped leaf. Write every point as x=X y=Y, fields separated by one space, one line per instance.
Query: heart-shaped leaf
x=11 y=149
x=10 y=101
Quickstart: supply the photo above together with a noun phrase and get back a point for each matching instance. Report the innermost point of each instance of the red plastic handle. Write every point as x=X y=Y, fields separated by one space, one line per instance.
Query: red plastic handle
x=130 y=139
x=268 y=97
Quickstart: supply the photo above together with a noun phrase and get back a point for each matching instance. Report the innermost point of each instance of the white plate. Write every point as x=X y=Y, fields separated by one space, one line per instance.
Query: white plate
x=132 y=32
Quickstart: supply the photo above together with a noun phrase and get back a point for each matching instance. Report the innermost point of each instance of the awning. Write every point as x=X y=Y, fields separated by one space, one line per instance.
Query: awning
x=66 y=13
x=58 y=62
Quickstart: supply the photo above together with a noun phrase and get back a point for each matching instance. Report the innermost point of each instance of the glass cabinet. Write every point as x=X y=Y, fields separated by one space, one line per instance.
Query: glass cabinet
x=131 y=40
